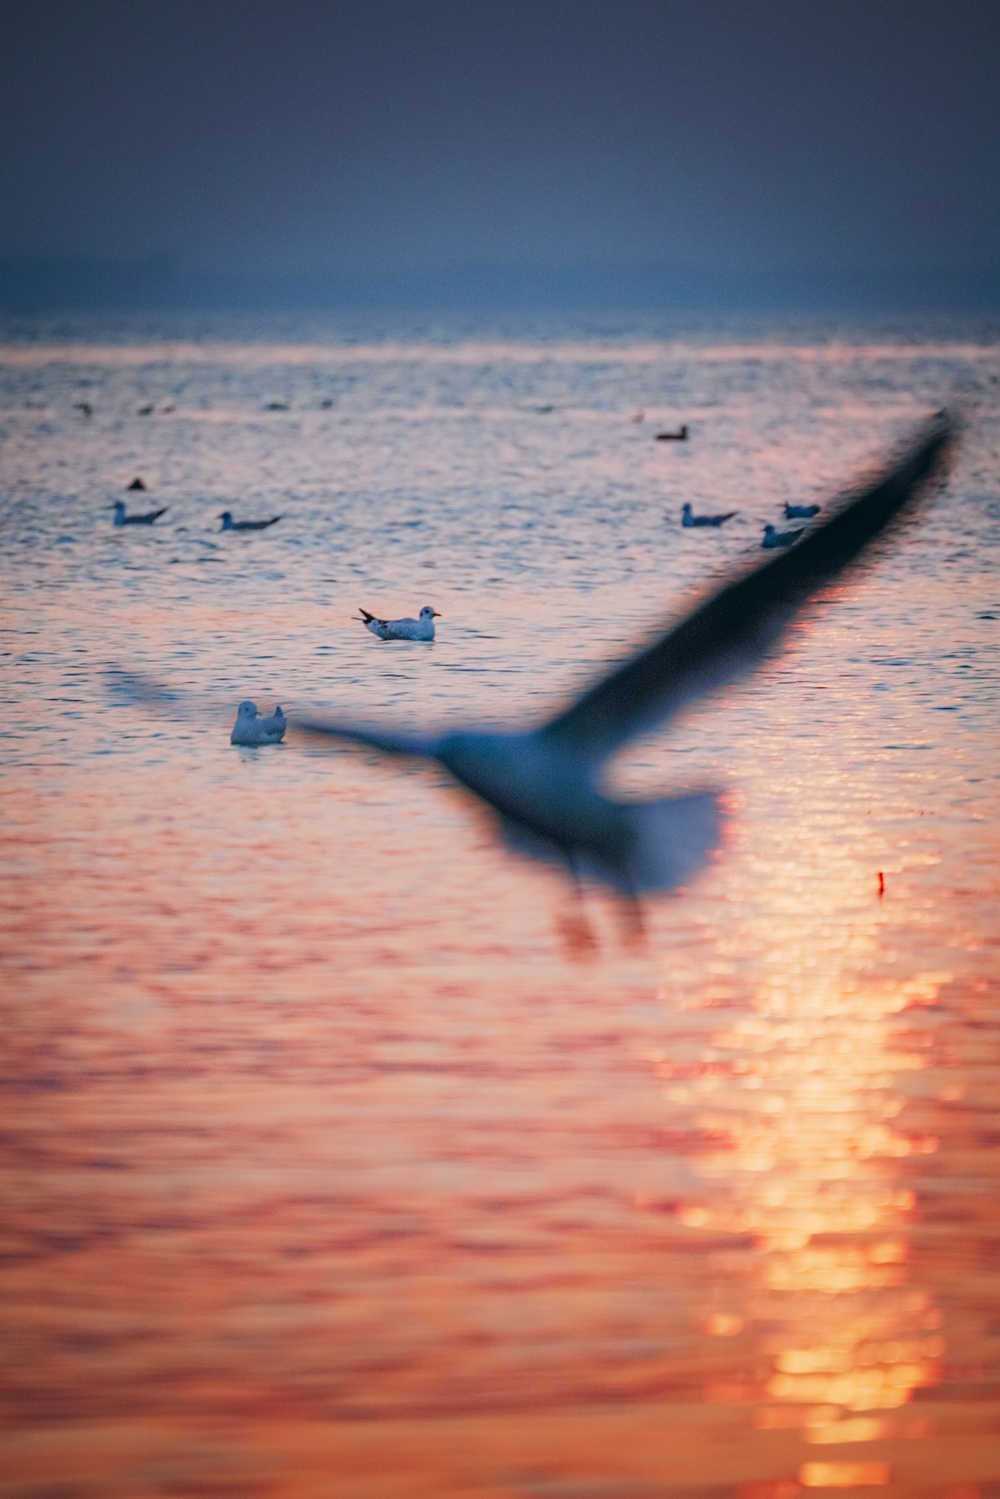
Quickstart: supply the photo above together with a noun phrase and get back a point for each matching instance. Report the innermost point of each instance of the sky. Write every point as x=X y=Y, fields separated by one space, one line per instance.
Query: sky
x=376 y=137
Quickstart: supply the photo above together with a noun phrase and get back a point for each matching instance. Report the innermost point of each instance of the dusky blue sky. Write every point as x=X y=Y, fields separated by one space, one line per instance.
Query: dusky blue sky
x=378 y=136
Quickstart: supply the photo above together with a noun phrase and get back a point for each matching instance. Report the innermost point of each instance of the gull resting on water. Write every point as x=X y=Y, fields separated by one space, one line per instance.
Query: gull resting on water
x=800 y=512
x=228 y=524
x=400 y=629
x=251 y=728
x=688 y=519
x=121 y=519
x=773 y=538
x=544 y=784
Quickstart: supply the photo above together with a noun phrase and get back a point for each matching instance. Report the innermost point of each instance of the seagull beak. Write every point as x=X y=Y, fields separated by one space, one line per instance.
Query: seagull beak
x=436 y=613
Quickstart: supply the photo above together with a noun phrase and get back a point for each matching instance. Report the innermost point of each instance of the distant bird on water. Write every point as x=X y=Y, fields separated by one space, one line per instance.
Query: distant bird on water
x=800 y=512
x=228 y=524
x=136 y=484
x=400 y=629
x=121 y=519
x=251 y=728
x=544 y=784
x=679 y=436
x=688 y=519
x=773 y=538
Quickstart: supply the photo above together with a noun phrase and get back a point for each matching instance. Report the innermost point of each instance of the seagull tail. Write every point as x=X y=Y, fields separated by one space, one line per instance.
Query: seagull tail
x=668 y=840
x=672 y=838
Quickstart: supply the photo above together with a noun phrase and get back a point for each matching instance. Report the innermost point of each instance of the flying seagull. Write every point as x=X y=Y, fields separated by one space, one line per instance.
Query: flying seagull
x=544 y=783
x=228 y=524
x=400 y=629
x=121 y=519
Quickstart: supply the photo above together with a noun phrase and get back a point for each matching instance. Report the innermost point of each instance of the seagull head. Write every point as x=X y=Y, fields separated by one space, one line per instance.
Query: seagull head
x=247 y=709
x=428 y=613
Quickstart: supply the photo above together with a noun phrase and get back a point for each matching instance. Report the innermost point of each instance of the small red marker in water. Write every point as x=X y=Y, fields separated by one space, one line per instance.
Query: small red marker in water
x=881 y=884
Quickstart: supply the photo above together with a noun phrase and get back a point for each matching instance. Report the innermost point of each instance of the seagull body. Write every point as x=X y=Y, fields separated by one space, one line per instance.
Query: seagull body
x=228 y=524
x=773 y=538
x=800 y=512
x=688 y=519
x=121 y=519
x=401 y=629
x=544 y=784
x=251 y=728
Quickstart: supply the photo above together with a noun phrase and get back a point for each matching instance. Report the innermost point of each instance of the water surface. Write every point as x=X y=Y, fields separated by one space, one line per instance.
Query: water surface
x=327 y=1169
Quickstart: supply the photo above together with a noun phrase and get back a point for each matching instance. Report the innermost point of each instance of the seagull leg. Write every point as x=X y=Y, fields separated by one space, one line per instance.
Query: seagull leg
x=633 y=923
x=574 y=925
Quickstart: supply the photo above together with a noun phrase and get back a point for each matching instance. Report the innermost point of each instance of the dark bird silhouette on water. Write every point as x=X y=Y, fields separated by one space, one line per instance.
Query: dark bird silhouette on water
x=690 y=519
x=228 y=524
x=773 y=538
x=800 y=512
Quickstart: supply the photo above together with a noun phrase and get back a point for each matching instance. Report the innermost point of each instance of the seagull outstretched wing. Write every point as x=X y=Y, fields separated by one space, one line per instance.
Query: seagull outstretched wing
x=389 y=741
x=730 y=633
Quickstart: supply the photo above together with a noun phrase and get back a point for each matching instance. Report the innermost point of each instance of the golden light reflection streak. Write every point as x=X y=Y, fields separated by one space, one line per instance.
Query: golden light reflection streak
x=804 y=1086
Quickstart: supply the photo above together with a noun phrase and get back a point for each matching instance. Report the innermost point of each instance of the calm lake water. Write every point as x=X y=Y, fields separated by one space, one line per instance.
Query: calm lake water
x=328 y=1169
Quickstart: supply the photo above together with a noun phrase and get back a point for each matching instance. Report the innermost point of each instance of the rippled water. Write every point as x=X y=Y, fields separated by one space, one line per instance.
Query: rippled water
x=328 y=1170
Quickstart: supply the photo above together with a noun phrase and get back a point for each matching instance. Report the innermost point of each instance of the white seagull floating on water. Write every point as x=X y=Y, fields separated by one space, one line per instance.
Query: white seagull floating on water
x=251 y=728
x=400 y=629
x=544 y=784
x=121 y=519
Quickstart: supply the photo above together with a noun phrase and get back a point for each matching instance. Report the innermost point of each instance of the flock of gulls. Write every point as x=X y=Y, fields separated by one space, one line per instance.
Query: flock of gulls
x=544 y=784
x=146 y=518
x=771 y=538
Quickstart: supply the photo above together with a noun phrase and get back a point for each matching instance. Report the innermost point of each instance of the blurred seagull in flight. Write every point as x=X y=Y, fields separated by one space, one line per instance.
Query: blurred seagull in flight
x=400 y=629
x=251 y=728
x=228 y=524
x=689 y=519
x=545 y=784
x=121 y=519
